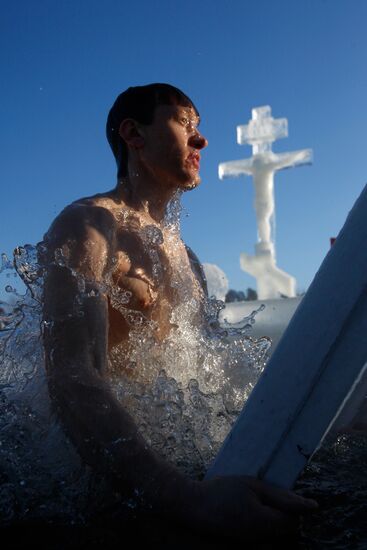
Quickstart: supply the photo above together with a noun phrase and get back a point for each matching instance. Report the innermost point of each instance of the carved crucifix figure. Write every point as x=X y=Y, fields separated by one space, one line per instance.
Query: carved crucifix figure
x=261 y=131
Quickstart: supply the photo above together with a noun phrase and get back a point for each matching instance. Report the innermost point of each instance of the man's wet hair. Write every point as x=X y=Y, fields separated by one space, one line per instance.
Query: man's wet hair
x=139 y=103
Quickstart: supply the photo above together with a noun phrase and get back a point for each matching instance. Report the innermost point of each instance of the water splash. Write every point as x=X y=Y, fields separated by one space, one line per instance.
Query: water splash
x=40 y=473
x=184 y=392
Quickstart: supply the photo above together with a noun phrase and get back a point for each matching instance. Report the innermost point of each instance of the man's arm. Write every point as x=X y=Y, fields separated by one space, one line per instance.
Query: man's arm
x=76 y=356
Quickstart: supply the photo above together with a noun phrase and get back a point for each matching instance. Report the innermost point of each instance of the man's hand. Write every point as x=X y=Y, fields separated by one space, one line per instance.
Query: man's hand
x=245 y=508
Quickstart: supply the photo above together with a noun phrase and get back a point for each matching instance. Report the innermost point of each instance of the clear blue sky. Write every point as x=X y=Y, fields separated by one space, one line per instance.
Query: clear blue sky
x=64 y=62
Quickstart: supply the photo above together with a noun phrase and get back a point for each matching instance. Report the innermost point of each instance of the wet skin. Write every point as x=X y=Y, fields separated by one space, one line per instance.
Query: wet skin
x=101 y=235
x=108 y=227
x=128 y=261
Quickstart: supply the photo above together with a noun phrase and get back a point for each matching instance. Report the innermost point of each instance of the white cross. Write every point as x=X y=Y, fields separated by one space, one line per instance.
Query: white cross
x=261 y=131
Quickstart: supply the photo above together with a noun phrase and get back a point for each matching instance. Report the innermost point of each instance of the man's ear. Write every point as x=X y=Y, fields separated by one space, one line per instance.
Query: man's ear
x=131 y=134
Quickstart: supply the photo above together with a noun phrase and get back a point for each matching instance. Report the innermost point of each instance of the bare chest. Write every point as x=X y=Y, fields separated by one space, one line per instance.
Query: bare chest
x=153 y=269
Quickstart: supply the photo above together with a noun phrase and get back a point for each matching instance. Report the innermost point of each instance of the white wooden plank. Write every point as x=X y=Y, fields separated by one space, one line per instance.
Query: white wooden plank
x=317 y=363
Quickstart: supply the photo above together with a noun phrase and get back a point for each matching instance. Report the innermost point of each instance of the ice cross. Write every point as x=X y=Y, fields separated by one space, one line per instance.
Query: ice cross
x=261 y=131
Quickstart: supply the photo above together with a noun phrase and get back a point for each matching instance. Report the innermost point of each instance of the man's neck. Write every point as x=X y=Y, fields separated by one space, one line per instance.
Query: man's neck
x=145 y=194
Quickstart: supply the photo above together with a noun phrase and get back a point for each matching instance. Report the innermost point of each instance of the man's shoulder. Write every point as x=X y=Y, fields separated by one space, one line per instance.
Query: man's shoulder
x=82 y=215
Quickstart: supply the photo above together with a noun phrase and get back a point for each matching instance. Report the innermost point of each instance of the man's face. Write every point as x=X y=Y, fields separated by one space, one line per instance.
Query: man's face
x=172 y=145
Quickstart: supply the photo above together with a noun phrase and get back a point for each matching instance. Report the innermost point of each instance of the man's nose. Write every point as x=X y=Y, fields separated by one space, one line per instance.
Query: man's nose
x=198 y=141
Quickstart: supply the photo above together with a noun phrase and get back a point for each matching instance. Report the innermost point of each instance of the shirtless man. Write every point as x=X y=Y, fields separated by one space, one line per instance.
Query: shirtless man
x=153 y=132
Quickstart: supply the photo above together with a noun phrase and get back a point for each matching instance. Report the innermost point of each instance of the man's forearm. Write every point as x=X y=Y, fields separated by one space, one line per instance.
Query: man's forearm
x=108 y=440
x=103 y=432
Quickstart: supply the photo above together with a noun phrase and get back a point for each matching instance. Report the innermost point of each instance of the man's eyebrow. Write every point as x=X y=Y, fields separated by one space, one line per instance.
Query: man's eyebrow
x=190 y=113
